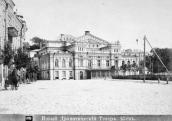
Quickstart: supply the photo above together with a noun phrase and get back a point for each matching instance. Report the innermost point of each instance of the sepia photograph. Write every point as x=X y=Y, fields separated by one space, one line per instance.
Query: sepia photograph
x=85 y=60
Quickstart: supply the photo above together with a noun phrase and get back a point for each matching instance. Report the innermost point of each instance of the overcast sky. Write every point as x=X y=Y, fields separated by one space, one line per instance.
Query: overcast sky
x=112 y=20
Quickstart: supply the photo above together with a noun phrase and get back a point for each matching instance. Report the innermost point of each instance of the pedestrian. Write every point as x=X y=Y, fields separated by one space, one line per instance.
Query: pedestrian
x=19 y=76
x=27 y=77
x=9 y=80
x=15 y=78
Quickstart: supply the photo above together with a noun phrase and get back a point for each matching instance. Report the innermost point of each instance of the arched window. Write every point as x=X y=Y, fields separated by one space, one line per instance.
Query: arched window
x=63 y=63
x=57 y=63
x=70 y=63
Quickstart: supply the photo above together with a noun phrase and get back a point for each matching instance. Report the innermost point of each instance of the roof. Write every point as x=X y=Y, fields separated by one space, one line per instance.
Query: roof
x=36 y=50
x=89 y=38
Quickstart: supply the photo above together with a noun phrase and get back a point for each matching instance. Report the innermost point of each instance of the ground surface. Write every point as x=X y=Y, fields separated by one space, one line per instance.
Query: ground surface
x=88 y=97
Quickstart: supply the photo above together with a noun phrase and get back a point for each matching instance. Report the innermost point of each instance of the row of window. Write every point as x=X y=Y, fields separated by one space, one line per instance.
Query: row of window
x=80 y=49
x=102 y=57
x=89 y=46
x=93 y=45
x=128 y=61
x=81 y=63
x=44 y=65
x=63 y=74
x=63 y=63
x=98 y=63
x=81 y=75
x=115 y=50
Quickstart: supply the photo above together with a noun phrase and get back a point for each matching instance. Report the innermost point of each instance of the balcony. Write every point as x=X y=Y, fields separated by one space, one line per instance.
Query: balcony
x=12 y=31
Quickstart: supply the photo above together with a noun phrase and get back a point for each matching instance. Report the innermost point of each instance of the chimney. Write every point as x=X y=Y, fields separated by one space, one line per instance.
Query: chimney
x=87 y=32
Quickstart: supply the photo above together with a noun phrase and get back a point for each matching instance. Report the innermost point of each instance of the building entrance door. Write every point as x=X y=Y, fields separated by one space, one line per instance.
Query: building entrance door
x=81 y=75
x=88 y=74
x=64 y=75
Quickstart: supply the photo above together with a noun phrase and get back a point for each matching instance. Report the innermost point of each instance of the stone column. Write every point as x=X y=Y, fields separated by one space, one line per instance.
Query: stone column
x=51 y=68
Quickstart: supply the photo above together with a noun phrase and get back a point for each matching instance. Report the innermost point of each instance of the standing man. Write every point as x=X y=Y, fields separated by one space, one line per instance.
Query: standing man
x=15 y=78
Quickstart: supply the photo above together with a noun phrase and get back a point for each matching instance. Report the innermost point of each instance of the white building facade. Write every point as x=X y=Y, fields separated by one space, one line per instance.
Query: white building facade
x=84 y=57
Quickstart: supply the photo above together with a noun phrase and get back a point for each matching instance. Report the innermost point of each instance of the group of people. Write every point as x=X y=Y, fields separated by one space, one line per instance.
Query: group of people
x=15 y=77
x=12 y=79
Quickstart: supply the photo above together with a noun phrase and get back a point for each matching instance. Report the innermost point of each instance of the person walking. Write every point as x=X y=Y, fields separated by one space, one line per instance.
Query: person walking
x=27 y=77
x=9 y=80
x=15 y=78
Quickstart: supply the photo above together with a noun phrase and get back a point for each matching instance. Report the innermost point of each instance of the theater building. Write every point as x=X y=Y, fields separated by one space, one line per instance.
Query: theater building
x=84 y=57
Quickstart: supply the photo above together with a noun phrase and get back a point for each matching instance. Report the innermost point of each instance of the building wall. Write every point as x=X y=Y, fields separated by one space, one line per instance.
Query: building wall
x=82 y=60
x=12 y=20
x=9 y=18
x=91 y=57
x=2 y=23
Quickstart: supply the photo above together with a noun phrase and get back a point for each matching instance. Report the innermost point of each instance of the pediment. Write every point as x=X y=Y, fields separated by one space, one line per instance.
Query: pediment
x=91 y=39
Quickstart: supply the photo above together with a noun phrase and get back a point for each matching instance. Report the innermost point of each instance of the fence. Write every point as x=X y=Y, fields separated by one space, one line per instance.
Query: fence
x=138 y=76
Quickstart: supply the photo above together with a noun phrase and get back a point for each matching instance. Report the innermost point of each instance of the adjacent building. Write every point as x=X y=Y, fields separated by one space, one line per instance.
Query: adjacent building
x=12 y=30
x=84 y=57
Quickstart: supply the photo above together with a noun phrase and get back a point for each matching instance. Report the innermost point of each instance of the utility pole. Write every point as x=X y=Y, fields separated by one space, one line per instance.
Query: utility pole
x=144 y=58
x=157 y=56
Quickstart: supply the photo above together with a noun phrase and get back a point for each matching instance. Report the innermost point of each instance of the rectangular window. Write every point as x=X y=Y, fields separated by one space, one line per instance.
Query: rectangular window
x=98 y=63
x=63 y=63
x=93 y=74
x=90 y=63
x=57 y=74
x=70 y=74
x=70 y=63
x=98 y=73
x=64 y=74
x=81 y=63
x=103 y=74
x=107 y=63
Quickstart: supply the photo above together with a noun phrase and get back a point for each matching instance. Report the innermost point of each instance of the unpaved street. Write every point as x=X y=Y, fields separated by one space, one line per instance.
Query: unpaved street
x=88 y=97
